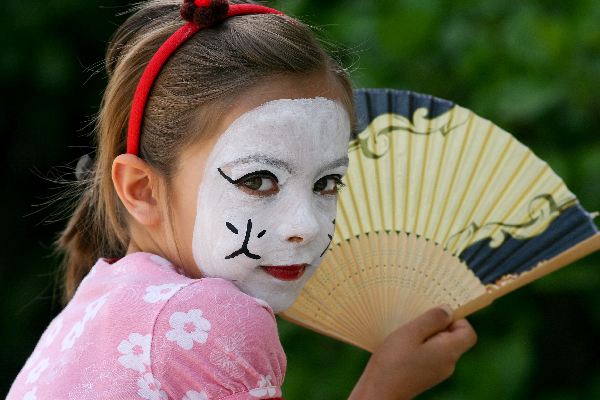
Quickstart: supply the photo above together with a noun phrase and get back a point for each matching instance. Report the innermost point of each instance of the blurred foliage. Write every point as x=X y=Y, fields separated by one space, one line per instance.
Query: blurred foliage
x=532 y=67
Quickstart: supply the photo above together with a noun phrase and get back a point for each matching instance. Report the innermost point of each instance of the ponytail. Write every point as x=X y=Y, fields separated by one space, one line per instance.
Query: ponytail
x=89 y=235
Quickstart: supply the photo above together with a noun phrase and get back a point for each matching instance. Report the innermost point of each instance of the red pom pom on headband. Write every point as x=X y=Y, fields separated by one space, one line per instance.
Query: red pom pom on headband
x=204 y=13
x=199 y=14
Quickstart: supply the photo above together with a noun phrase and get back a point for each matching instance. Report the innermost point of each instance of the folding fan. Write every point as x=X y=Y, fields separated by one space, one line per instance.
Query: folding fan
x=440 y=207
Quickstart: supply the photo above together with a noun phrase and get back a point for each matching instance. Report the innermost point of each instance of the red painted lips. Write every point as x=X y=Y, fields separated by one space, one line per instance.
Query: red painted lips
x=285 y=272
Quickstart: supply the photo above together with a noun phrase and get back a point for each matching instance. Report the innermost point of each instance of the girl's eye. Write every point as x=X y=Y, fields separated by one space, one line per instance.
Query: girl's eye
x=260 y=183
x=329 y=184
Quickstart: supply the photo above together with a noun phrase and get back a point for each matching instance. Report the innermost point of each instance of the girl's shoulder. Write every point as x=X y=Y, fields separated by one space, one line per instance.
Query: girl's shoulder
x=208 y=336
x=162 y=282
x=138 y=326
x=147 y=288
x=150 y=279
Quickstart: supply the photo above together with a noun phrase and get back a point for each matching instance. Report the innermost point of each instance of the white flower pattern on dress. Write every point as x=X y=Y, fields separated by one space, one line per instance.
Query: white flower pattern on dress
x=136 y=352
x=193 y=395
x=73 y=334
x=92 y=309
x=149 y=388
x=35 y=373
x=53 y=331
x=188 y=328
x=90 y=313
x=158 y=293
x=265 y=388
x=31 y=395
x=227 y=354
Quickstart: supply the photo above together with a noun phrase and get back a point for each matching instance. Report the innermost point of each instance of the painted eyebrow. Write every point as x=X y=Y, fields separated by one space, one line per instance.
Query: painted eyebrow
x=340 y=162
x=263 y=159
x=277 y=163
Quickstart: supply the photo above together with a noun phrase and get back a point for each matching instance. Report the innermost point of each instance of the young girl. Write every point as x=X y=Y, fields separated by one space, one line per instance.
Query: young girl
x=221 y=145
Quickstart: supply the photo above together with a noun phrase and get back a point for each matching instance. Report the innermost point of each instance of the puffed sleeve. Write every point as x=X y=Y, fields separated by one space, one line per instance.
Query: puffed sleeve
x=211 y=341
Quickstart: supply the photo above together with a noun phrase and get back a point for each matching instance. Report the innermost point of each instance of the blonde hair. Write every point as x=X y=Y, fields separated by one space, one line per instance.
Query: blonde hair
x=197 y=83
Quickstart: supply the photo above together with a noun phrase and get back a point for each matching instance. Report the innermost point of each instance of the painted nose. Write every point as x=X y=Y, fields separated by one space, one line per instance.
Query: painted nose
x=300 y=226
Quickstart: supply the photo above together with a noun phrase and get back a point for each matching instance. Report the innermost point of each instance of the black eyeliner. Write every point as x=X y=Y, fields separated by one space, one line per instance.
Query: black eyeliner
x=338 y=179
x=228 y=179
x=262 y=172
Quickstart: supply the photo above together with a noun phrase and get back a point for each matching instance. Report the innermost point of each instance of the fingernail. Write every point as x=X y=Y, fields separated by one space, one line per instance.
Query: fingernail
x=449 y=311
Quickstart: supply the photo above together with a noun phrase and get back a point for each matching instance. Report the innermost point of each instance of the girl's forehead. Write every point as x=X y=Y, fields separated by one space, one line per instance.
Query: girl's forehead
x=287 y=127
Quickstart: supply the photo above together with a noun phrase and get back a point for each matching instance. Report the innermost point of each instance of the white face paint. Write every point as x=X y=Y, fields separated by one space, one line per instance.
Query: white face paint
x=267 y=198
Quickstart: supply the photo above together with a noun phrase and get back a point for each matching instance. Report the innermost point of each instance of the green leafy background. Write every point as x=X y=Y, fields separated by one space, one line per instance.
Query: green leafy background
x=533 y=67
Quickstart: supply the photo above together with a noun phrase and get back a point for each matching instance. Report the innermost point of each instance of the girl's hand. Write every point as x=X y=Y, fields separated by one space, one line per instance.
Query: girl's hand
x=415 y=357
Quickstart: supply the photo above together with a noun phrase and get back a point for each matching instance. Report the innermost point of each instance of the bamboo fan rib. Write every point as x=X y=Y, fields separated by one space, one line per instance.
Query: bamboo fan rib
x=441 y=206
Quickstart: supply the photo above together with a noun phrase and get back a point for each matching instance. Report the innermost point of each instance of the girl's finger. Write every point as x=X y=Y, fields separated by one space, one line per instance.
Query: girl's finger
x=460 y=335
x=431 y=322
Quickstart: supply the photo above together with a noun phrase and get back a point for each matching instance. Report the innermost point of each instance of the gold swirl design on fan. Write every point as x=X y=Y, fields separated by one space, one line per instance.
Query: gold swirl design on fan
x=456 y=179
x=542 y=210
x=374 y=141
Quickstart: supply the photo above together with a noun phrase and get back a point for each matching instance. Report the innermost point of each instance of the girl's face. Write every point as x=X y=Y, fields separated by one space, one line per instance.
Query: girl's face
x=266 y=202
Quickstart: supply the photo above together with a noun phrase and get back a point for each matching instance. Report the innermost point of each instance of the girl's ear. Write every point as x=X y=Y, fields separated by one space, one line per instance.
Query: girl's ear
x=137 y=186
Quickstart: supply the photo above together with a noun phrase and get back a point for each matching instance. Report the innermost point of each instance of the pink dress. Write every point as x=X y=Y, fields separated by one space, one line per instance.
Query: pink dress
x=138 y=329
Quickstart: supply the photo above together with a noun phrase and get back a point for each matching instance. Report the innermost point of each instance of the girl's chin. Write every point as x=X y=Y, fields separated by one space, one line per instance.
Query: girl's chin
x=279 y=308
x=277 y=302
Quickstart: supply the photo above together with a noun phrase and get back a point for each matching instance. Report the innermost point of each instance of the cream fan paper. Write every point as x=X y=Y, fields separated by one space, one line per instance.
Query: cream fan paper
x=444 y=178
x=421 y=190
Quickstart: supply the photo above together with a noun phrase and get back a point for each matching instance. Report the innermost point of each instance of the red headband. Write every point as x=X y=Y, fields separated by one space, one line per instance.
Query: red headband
x=199 y=14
